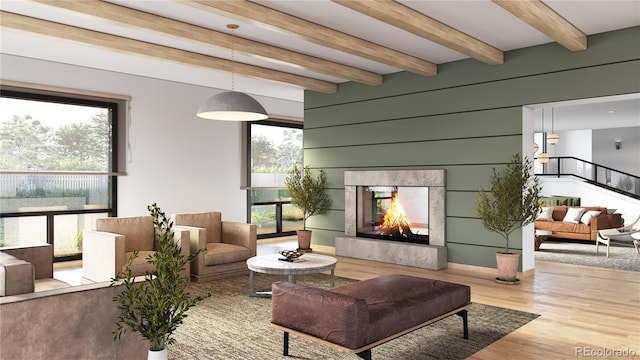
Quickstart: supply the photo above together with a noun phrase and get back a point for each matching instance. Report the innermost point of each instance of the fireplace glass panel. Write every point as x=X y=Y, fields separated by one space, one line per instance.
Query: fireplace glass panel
x=399 y=213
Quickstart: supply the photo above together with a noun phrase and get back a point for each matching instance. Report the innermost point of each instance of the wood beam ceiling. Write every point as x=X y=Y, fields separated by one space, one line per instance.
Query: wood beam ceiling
x=139 y=19
x=263 y=16
x=405 y=18
x=126 y=45
x=547 y=21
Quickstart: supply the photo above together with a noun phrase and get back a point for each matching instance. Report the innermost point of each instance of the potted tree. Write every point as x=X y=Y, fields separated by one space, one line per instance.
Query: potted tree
x=155 y=307
x=511 y=203
x=309 y=194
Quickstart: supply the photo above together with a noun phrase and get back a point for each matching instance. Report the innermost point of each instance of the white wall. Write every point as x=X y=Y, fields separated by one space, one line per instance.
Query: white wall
x=591 y=195
x=576 y=143
x=181 y=162
x=627 y=158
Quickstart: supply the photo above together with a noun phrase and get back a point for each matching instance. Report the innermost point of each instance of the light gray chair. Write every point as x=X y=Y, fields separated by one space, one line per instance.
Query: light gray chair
x=629 y=233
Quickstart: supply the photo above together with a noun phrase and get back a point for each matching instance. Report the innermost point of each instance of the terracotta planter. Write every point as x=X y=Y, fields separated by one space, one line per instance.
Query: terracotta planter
x=507 y=264
x=304 y=240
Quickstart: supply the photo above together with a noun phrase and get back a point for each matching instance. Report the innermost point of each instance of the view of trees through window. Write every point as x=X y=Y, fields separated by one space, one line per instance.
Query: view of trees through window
x=48 y=151
x=28 y=144
x=274 y=150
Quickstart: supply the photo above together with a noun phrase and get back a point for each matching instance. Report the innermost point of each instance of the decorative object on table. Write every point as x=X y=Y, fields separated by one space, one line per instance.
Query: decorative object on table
x=309 y=194
x=156 y=306
x=511 y=203
x=290 y=255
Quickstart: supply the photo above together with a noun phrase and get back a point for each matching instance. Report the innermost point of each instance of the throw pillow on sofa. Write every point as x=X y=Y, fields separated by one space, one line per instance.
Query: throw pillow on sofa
x=545 y=214
x=573 y=215
x=588 y=215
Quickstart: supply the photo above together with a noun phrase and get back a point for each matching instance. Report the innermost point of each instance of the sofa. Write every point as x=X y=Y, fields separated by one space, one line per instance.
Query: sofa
x=75 y=322
x=574 y=222
x=227 y=245
x=21 y=266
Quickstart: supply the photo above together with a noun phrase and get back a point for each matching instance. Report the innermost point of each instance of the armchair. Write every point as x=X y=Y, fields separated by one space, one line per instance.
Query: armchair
x=629 y=232
x=227 y=245
x=108 y=248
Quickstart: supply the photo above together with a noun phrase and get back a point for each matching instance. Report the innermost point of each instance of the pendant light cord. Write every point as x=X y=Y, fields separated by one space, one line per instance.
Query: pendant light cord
x=233 y=27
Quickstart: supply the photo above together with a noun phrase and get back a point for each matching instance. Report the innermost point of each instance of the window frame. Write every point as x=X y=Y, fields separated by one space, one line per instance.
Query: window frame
x=247 y=176
x=117 y=106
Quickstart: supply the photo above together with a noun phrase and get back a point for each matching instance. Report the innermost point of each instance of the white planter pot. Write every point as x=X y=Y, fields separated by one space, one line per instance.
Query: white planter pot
x=158 y=355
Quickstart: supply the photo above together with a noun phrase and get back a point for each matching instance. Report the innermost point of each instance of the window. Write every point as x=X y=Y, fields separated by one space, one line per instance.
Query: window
x=58 y=167
x=274 y=149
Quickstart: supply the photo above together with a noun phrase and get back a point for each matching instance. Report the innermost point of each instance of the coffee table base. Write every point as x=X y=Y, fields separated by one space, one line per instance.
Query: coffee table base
x=267 y=294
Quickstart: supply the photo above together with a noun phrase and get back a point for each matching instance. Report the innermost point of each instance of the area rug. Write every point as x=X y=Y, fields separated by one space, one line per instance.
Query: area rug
x=622 y=256
x=232 y=325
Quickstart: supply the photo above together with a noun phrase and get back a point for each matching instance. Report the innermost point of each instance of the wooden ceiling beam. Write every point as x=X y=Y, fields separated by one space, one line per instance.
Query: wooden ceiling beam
x=259 y=15
x=547 y=21
x=403 y=17
x=184 y=31
x=130 y=46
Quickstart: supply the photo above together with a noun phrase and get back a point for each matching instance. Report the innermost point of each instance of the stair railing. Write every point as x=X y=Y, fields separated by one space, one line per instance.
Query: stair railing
x=599 y=175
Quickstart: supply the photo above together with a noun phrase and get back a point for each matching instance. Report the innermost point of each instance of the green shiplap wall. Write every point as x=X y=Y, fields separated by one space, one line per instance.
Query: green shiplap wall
x=467 y=120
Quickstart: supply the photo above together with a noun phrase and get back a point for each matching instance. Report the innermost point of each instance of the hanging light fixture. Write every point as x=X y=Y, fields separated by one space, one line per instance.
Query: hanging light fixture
x=543 y=157
x=232 y=105
x=553 y=138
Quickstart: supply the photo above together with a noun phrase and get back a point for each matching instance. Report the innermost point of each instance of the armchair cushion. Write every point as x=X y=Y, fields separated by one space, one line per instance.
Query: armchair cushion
x=211 y=221
x=221 y=253
x=139 y=266
x=138 y=231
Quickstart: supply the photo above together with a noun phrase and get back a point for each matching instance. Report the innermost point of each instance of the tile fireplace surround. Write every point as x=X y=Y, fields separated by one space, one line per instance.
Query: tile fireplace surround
x=432 y=256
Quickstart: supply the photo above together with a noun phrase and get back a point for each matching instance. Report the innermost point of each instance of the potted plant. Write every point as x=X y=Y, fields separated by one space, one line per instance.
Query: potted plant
x=511 y=203
x=155 y=307
x=309 y=194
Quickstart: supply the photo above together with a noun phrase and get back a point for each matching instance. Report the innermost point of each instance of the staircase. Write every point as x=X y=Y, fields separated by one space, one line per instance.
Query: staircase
x=595 y=184
x=598 y=175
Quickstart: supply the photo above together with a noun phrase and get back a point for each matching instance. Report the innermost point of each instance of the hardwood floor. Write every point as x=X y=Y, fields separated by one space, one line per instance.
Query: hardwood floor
x=584 y=311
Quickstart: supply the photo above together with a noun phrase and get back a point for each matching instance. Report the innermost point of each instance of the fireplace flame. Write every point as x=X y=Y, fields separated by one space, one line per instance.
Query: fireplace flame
x=395 y=222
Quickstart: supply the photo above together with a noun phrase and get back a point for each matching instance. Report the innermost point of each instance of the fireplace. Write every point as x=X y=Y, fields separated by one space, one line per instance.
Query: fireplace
x=416 y=234
x=394 y=213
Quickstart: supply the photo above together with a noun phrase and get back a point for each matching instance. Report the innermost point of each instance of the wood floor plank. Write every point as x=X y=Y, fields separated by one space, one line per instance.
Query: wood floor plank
x=581 y=308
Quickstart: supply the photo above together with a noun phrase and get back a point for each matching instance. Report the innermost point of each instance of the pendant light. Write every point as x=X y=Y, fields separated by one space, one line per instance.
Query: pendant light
x=232 y=105
x=553 y=138
x=543 y=157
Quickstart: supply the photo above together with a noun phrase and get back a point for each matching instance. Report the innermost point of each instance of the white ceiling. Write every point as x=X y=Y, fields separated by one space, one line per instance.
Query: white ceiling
x=482 y=19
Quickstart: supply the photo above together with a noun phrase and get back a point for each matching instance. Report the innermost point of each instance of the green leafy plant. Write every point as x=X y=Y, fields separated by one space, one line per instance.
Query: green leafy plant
x=308 y=193
x=158 y=305
x=513 y=200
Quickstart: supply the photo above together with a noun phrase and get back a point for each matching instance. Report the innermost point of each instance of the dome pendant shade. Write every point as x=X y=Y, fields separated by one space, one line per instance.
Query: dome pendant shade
x=232 y=106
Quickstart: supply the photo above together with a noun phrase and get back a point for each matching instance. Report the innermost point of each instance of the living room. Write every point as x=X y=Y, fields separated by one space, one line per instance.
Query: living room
x=466 y=120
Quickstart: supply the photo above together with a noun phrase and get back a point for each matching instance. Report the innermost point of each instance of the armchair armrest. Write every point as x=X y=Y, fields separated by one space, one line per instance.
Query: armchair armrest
x=197 y=239
x=102 y=255
x=242 y=234
x=182 y=238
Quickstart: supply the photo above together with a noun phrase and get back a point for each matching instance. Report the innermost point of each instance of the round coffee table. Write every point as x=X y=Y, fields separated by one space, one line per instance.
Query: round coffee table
x=305 y=264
